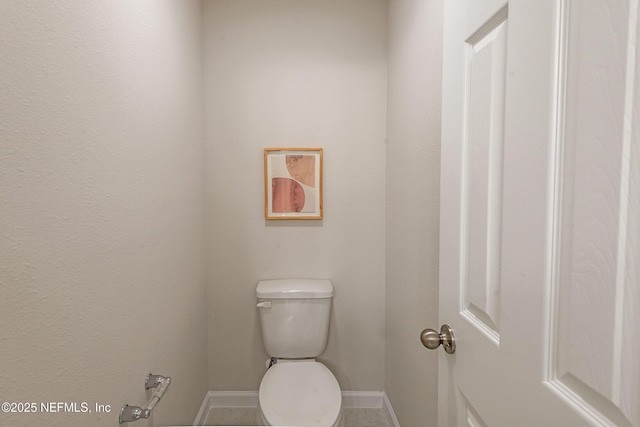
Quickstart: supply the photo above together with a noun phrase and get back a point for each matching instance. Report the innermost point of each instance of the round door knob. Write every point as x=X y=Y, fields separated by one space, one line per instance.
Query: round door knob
x=432 y=339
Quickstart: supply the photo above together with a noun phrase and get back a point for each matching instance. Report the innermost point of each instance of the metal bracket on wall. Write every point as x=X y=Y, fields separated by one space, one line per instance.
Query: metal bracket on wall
x=134 y=413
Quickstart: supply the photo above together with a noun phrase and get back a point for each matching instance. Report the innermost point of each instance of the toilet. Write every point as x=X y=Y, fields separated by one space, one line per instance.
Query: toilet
x=297 y=390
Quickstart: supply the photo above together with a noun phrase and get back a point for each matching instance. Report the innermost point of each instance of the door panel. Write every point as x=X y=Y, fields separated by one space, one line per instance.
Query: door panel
x=595 y=254
x=471 y=416
x=540 y=214
x=486 y=53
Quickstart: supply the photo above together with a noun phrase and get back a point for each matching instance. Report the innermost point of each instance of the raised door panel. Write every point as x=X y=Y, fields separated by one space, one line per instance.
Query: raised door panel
x=595 y=323
x=485 y=69
x=469 y=414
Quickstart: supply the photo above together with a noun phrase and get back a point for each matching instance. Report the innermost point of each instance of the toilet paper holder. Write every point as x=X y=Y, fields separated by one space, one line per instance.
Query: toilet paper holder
x=130 y=413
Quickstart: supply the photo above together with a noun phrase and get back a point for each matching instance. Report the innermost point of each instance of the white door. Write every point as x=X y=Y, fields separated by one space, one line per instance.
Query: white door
x=540 y=214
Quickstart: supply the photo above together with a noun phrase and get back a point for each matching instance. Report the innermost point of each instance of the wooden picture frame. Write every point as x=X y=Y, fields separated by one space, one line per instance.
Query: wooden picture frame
x=293 y=183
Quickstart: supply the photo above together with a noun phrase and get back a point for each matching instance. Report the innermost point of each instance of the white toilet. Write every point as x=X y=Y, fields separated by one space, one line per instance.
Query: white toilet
x=297 y=390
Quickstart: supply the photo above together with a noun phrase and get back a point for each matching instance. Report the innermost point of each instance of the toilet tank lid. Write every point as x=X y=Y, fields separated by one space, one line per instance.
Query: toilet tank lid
x=294 y=288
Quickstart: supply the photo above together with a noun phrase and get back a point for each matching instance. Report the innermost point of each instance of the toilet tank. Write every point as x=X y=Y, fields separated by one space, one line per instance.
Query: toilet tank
x=294 y=315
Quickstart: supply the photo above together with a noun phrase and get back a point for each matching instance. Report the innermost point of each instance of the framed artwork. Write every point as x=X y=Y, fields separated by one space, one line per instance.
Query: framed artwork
x=293 y=183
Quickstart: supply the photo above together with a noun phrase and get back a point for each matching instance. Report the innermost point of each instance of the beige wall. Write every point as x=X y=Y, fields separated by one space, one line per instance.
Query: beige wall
x=102 y=274
x=102 y=194
x=413 y=170
x=296 y=73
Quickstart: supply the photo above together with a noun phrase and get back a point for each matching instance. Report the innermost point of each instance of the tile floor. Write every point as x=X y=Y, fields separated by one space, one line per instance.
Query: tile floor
x=353 y=417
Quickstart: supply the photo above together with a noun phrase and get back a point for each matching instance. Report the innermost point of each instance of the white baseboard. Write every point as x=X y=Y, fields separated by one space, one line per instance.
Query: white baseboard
x=203 y=412
x=362 y=399
x=225 y=399
x=391 y=416
x=249 y=399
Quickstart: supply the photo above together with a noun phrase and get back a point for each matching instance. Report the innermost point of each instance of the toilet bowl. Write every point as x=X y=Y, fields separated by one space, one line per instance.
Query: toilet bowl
x=297 y=390
x=299 y=393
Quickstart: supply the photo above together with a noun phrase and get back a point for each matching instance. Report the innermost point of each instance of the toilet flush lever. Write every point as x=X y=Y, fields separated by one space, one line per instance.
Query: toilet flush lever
x=264 y=304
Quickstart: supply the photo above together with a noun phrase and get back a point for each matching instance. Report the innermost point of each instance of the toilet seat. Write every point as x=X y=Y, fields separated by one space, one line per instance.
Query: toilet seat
x=300 y=393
